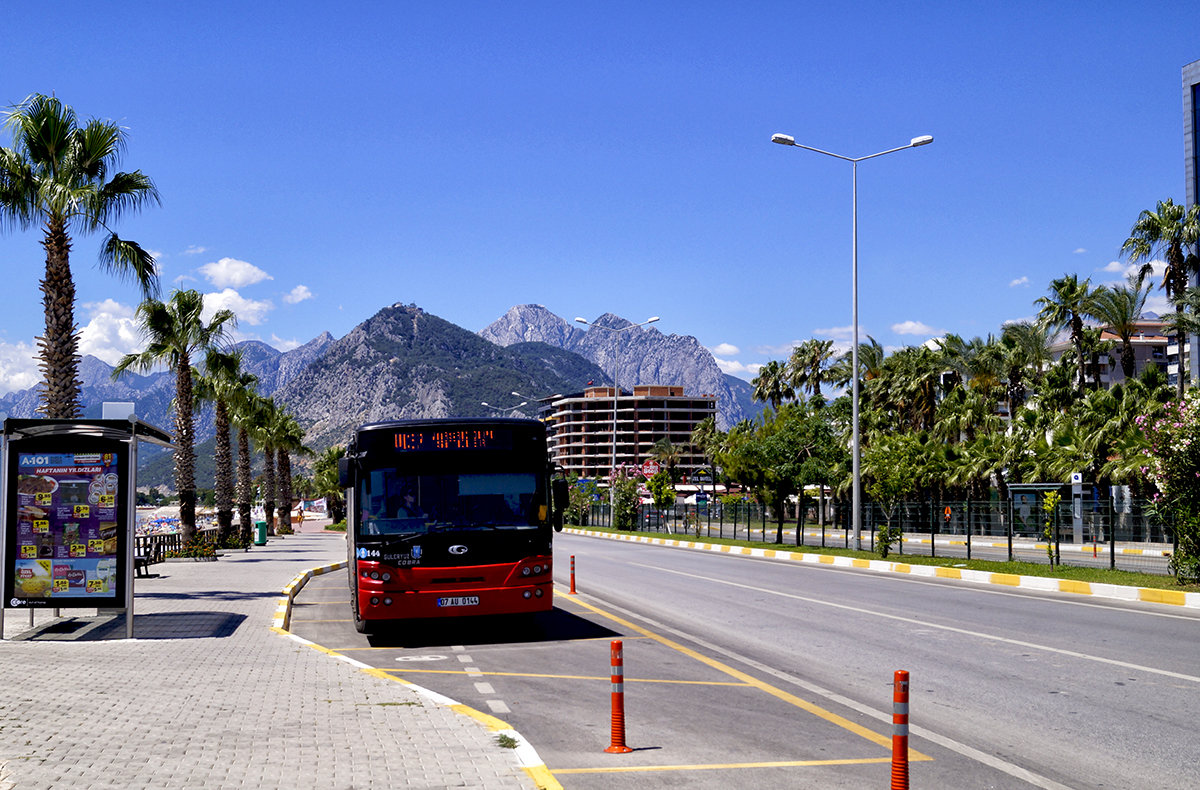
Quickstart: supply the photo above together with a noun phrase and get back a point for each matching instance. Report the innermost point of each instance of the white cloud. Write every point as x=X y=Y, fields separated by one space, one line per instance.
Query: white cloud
x=845 y=333
x=735 y=368
x=1019 y=281
x=915 y=328
x=111 y=331
x=194 y=250
x=18 y=367
x=725 y=350
x=248 y=311
x=298 y=295
x=1079 y=251
x=783 y=350
x=282 y=344
x=230 y=272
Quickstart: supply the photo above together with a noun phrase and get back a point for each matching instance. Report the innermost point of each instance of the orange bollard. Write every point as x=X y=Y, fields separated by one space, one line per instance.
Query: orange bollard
x=572 y=574
x=900 y=731
x=618 y=701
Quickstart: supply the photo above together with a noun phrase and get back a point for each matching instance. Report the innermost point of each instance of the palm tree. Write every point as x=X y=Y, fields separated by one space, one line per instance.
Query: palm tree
x=772 y=384
x=870 y=363
x=1170 y=231
x=1064 y=308
x=58 y=175
x=243 y=404
x=668 y=455
x=706 y=440
x=262 y=431
x=220 y=385
x=325 y=475
x=809 y=365
x=289 y=438
x=1119 y=310
x=175 y=332
x=1025 y=350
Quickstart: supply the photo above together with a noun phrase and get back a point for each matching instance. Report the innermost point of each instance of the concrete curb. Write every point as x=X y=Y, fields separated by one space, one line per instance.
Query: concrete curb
x=1118 y=592
x=527 y=756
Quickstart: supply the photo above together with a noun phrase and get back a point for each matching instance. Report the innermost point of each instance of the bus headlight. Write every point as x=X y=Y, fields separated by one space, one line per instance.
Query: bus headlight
x=525 y=570
x=387 y=577
x=527 y=595
x=374 y=601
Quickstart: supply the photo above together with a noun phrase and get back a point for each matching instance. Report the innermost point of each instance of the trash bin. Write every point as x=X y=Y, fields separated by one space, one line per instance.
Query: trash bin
x=260 y=533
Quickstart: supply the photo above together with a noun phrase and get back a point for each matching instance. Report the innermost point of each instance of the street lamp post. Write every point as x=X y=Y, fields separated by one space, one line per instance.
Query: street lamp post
x=856 y=450
x=616 y=395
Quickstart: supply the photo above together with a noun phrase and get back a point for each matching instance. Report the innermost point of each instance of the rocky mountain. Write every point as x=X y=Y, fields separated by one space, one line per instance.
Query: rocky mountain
x=406 y=363
x=152 y=394
x=275 y=368
x=634 y=356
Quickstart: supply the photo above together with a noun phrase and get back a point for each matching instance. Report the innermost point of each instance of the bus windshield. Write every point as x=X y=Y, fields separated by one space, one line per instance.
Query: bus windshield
x=395 y=503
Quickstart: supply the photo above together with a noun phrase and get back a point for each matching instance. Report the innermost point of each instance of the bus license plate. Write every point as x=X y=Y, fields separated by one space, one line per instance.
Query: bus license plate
x=465 y=600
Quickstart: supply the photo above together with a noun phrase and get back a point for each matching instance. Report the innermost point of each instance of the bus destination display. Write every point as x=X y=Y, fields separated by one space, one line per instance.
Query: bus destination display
x=452 y=440
x=67 y=526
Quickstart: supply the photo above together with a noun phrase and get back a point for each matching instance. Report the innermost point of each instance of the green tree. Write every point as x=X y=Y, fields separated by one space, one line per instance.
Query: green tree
x=289 y=438
x=1065 y=307
x=175 y=332
x=772 y=384
x=661 y=489
x=325 y=478
x=668 y=455
x=582 y=494
x=1173 y=460
x=62 y=177
x=1172 y=232
x=1119 y=309
x=891 y=468
x=219 y=384
x=243 y=404
x=809 y=366
x=625 y=503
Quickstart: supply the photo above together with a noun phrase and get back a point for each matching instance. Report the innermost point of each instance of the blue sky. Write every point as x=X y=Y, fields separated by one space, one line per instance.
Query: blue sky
x=320 y=161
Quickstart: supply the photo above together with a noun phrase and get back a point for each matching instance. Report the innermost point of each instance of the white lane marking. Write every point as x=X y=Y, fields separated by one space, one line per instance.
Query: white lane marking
x=422 y=658
x=485 y=689
x=912 y=620
x=1024 y=774
x=498 y=706
x=1055 y=597
x=463 y=657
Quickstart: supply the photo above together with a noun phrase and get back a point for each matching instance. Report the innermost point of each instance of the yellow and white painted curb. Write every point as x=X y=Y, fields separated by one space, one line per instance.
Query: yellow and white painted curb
x=283 y=606
x=527 y=757
x=1118 y=592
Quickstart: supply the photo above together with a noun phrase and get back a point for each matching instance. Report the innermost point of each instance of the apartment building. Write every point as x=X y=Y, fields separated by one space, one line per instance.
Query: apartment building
x=581 y=427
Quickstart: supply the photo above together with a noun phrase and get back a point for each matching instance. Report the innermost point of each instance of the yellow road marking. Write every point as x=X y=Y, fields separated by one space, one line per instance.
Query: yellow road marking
x=792 y=699
x=724 y=766
x=605 y=678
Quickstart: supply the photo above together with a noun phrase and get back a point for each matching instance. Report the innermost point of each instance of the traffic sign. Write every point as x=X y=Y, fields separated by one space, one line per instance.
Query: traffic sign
x=650 y=467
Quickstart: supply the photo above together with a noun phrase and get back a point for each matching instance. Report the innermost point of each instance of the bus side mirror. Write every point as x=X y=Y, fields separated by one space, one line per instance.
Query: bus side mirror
x=562 y=494
x=343 y=473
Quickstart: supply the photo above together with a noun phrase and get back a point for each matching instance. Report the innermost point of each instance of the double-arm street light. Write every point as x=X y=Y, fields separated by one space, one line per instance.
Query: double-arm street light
x=510 y=408
x=856 y=450
x=616 y=392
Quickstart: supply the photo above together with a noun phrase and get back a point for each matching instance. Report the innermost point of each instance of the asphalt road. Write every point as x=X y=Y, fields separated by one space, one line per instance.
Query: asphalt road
x=742 y=670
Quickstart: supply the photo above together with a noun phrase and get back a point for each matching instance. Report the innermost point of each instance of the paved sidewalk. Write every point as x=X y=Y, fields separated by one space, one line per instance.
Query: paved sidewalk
x=208 y=696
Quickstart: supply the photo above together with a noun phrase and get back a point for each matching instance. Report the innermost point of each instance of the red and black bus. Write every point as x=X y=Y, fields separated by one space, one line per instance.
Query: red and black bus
x=449 y=518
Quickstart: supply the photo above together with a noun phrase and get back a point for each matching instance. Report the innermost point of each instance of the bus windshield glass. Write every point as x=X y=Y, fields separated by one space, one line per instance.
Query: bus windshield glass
x=396 y=503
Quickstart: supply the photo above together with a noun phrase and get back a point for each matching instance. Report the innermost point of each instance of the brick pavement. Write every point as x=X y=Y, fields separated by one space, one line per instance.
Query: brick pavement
x=207 y=696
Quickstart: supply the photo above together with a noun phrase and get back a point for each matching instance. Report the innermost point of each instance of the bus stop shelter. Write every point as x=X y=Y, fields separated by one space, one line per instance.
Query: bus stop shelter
x=69 y=516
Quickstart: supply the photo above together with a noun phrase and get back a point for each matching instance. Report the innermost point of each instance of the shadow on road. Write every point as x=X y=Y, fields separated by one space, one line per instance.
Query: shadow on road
x=553 y=626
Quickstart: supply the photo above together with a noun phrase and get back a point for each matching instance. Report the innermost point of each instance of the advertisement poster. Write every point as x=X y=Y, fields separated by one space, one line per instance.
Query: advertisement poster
x=67 y=530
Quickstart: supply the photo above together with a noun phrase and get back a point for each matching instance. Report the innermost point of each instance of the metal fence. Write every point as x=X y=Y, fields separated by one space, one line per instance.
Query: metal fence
x=1085 y=532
